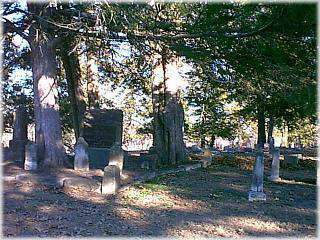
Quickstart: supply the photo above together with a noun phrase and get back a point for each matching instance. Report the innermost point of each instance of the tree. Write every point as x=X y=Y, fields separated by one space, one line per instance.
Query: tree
x=48 y=125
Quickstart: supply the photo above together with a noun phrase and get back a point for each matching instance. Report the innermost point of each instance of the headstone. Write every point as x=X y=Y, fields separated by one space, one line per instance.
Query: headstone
x=102 y=127
x=274 y=176
x=81 y=156
x=20 y=124
x=116 y=156
x=99 y=157
x=30 y=162
x=20 y=130
x=111 y=180
x=149 y=161
x=256 y=193
x=292 y=160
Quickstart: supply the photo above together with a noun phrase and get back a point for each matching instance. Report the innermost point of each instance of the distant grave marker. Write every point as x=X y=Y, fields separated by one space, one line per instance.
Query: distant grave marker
x=274 y=176
x=20 y=133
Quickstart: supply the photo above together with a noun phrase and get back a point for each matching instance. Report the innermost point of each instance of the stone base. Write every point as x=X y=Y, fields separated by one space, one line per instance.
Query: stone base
x=274 y=179
x=256 y=196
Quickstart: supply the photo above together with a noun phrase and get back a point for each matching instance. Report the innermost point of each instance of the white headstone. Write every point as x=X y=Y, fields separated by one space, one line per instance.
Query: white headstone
x=111 y=180
x=30 y=161
x=81 y=156
x=256 y=193
x=275 y=166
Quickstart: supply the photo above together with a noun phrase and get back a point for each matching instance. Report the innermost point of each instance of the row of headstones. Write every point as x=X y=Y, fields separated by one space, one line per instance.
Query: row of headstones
x=112 y=172
x=256 y=192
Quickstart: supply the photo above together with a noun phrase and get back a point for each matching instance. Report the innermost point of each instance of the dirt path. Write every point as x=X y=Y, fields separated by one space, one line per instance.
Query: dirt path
x=207 y=202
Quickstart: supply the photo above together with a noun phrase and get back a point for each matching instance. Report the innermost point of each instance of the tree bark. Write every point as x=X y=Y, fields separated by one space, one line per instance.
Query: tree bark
x=73 y=75
x=270 y=134
x=92 y=83
x=202 y=132
x=47 y=119
x=261 y=128
x=270 y=130
x=168 y=117
x=213 y=138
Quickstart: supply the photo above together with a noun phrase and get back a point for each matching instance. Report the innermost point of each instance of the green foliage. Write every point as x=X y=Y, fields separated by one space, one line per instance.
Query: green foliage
x=261 y=56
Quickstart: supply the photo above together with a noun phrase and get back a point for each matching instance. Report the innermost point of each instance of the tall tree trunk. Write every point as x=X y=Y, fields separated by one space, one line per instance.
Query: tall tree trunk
x=213 y=138
x=168 y=117
x=270 y=130
x=261 y=127
x=92 y=82
x=202 y=132
x=73 y=75
x=47 y=119
x=270 y=134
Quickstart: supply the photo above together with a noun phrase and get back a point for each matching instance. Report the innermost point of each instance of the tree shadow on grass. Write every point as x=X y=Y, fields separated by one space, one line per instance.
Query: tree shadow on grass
x=201 y=202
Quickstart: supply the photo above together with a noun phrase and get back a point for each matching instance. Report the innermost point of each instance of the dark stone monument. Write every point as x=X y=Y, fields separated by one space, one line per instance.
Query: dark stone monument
x=20 y=134
x=291 y=159
x=81 y=156
x=99 y=157
x=101 y=129
x=111 y=180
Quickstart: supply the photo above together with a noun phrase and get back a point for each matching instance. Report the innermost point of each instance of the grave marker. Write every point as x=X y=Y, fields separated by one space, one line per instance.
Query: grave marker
x=20 y=139
x=116 y=156
x=111 y=180
x=30 y=162
x=256 y=193
x=274 y=176
x=81 y=156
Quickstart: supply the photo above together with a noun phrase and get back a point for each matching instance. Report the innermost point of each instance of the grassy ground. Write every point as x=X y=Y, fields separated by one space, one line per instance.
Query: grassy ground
x=207 y=202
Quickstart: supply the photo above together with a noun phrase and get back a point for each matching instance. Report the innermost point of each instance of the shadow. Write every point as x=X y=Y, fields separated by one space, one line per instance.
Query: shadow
x=207 y=202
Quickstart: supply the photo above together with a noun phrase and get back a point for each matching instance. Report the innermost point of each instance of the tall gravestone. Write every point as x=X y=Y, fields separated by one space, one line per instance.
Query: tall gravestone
x=20 y=134
x=101 y=129
x=275 y=166
x=256 y=193
x=81 y=156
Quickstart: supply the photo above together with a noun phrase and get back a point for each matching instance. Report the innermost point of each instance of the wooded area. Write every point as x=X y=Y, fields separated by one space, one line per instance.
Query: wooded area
x=95 y=78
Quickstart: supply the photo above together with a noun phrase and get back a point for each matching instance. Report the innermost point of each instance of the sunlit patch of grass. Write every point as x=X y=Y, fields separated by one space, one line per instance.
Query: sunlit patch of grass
x=226 y=194
x=143 y=192
x=156 y=187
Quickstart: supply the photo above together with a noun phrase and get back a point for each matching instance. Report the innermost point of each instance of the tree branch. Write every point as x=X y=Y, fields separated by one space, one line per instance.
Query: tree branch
x=9 y=27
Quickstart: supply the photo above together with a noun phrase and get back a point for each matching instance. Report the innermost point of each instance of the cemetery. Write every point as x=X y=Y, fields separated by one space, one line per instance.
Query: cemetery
x=201 y=123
